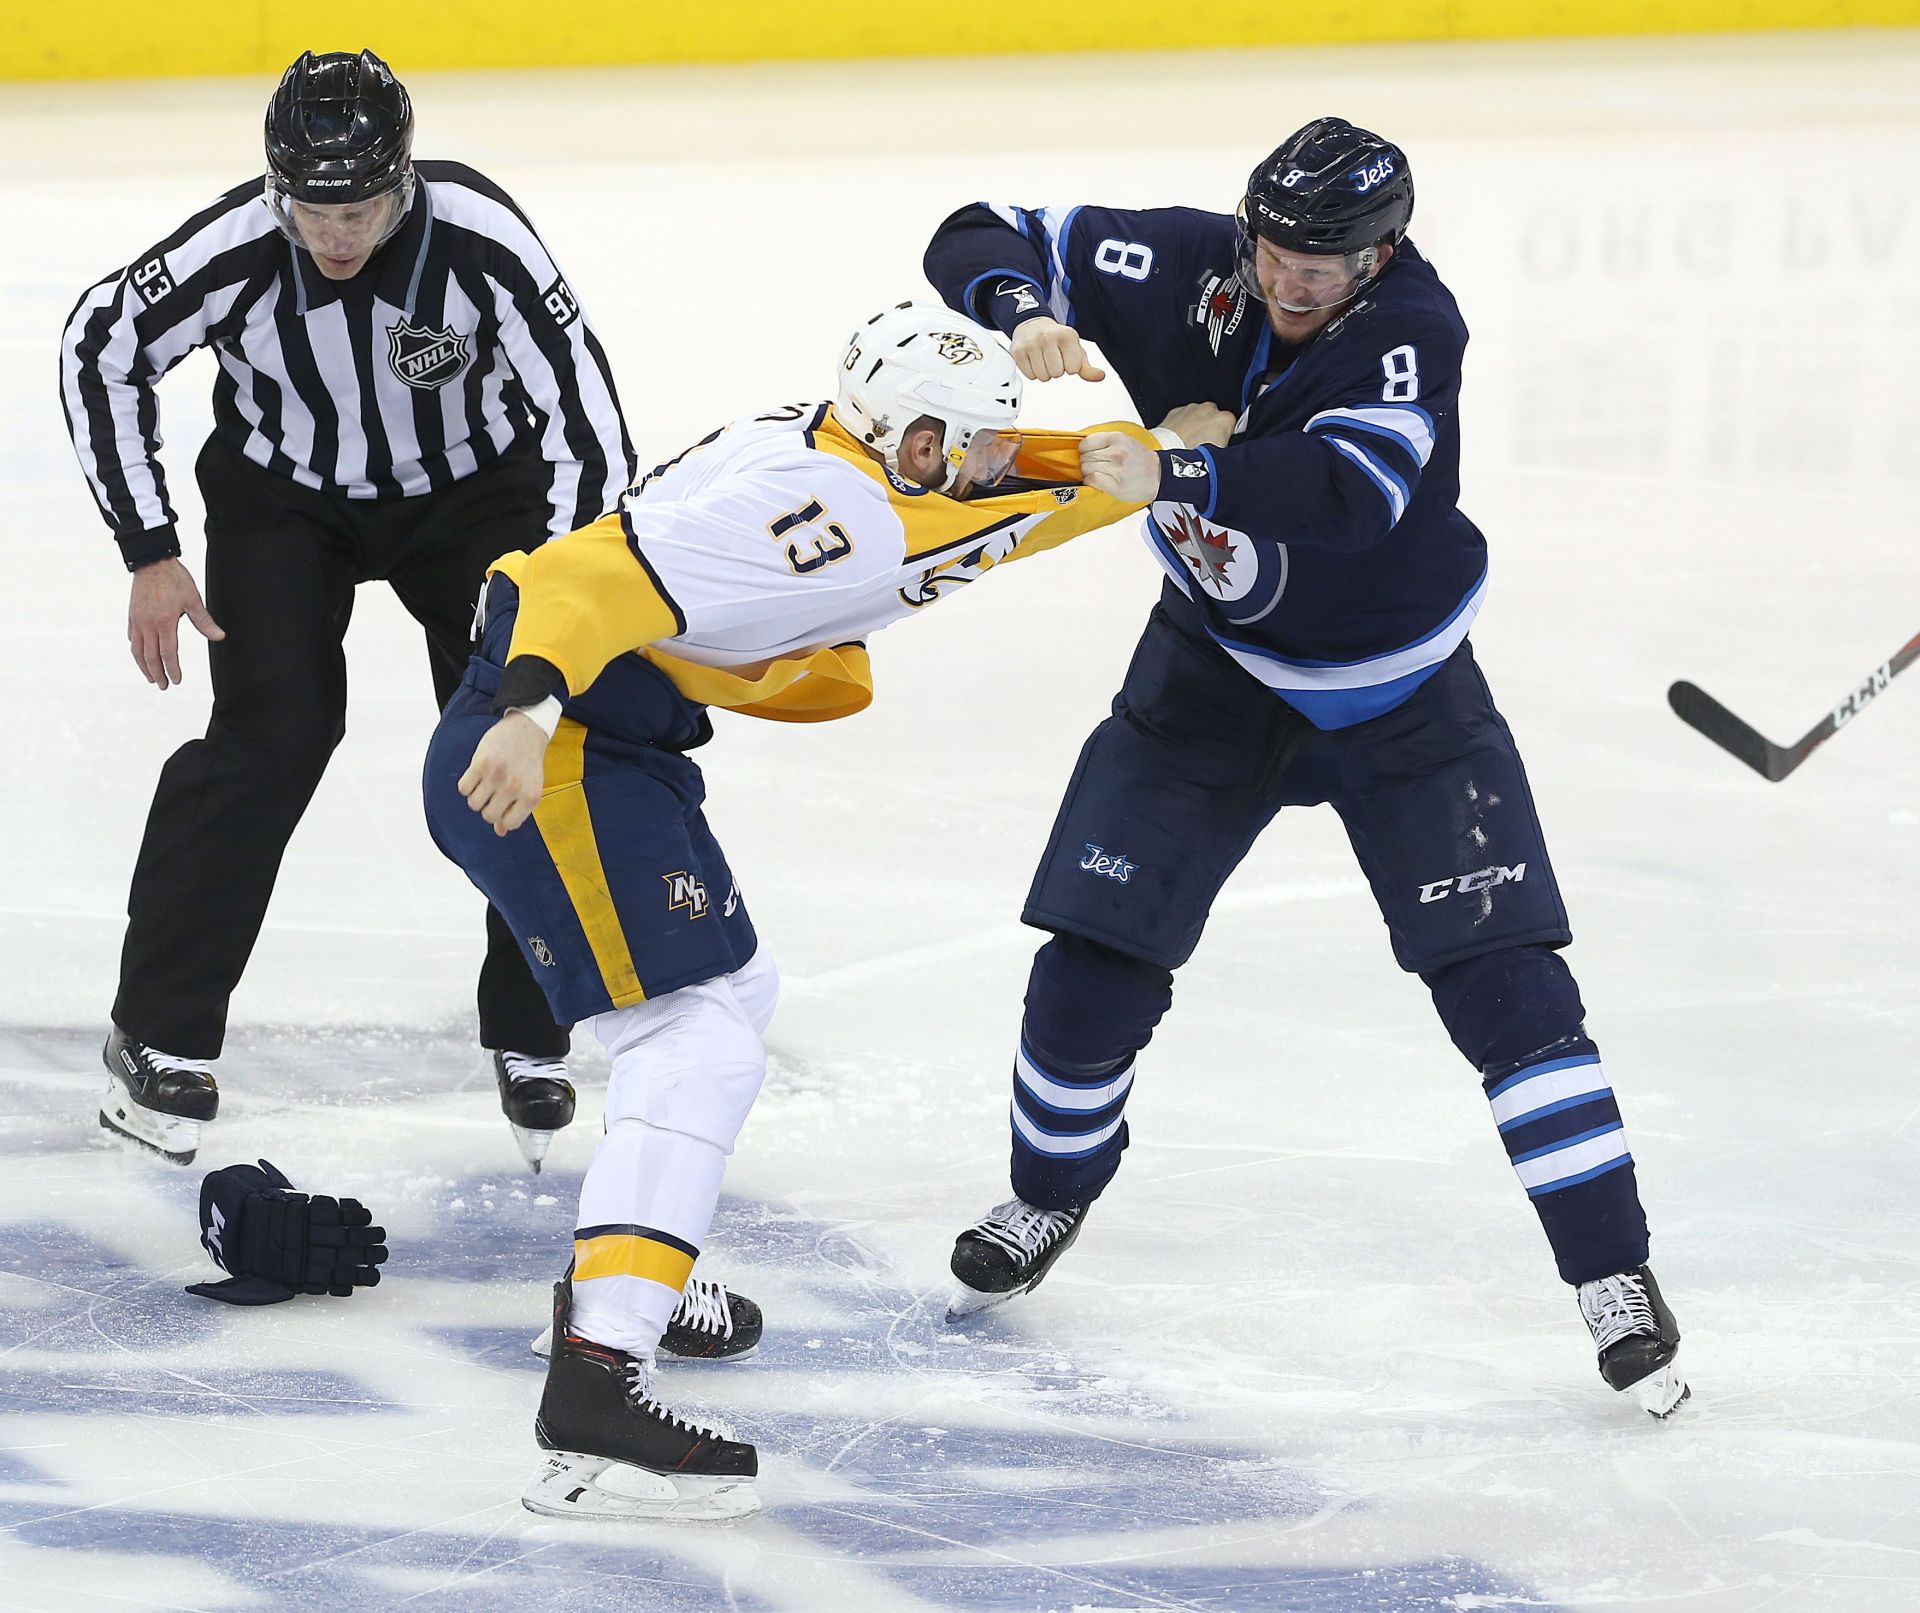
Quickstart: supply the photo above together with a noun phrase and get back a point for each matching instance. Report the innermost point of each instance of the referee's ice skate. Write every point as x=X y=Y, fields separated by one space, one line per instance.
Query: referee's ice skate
x=1637 y=1338
x=155 y=1099
x=710 y=1323
x=1006 y=1253
x=617 y=1452
x=537 y=1099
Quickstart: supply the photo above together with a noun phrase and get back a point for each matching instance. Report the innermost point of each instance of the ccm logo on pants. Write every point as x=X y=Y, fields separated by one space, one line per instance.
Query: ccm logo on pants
x=1440 y=889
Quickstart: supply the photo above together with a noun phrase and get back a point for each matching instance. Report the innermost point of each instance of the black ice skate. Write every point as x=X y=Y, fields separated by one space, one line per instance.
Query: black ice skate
x=537 y=1099
x=617 y=1452
x=1637 y=1338
x=1007 y=1251
x=155 y=1099
x=709 y=1324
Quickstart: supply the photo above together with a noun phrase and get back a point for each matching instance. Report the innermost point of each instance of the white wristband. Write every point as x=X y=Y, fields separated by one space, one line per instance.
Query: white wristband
x=546 y=714
x=1167 y=438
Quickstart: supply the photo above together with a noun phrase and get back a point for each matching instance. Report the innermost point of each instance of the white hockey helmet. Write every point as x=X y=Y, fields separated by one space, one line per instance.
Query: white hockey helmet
x=921 y=359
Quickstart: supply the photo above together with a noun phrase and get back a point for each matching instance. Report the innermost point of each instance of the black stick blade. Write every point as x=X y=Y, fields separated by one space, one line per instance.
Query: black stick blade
x=1699 y=710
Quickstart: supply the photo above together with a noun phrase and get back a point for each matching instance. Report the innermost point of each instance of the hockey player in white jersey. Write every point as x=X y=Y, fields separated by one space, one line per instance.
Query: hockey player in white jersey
x=747 y=573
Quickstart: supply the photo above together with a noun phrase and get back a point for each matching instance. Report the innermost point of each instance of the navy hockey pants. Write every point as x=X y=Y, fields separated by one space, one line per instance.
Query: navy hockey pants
x=1169 y=795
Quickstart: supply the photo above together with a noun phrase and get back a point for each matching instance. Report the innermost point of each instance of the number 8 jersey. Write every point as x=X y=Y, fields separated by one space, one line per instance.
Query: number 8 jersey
x=752 y=568
x=1323 y=547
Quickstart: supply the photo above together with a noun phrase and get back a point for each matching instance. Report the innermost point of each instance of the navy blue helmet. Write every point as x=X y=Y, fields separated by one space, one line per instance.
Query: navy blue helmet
x=1329 y=188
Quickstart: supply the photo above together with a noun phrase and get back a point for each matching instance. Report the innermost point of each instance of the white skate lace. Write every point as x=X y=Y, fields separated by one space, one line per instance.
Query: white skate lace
x=703 y=1307
x=1022 y=1229
x=525 y=1067
x=1616 y=1308
x=173 y=1061
x=641 y=1397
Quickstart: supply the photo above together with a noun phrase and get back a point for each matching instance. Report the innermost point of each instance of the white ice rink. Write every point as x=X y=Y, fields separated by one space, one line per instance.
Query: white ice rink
x=1310 y=1353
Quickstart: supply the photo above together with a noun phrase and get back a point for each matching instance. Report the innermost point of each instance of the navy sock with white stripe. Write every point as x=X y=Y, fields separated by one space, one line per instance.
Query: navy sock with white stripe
x=1517 y=1015
x=1090 y=1010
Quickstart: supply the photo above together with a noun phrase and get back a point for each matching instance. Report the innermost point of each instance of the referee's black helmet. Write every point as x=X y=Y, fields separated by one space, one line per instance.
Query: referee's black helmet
x=339 y=129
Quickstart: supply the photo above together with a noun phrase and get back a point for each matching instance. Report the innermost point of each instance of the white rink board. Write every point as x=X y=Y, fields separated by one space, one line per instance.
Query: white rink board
x=1310 y=1353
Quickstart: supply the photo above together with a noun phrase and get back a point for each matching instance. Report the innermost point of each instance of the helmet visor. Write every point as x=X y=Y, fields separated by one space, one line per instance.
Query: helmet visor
x=987 y=457
x=341 y=229
x=1302 y=282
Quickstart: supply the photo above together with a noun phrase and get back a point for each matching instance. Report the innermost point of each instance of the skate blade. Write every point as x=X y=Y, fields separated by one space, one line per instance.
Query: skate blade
x=570 y=1485
x=1662 y=1393
x=533 y=1145
x=967 y=1301
x=172 y=1138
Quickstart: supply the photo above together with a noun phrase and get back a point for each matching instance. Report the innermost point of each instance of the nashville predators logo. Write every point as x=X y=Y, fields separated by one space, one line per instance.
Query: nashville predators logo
x=1206 y=550
x=958 y=348
x=684 y=891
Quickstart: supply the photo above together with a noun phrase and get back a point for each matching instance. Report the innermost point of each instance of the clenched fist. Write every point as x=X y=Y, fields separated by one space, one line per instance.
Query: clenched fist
x=1045 y=350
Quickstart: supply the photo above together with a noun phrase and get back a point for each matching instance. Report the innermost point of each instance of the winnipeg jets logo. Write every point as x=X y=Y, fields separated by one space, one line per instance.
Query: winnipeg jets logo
x=1108 y=864
x=1207 y=550
x=956 y=347
x=425 y=358
x=1222 y=305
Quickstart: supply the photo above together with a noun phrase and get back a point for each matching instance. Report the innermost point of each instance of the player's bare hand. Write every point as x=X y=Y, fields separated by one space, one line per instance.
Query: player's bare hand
x=1045 y=350
x=162 y=593
x=1120 y=465
x=503 y=781
x=1200 y=425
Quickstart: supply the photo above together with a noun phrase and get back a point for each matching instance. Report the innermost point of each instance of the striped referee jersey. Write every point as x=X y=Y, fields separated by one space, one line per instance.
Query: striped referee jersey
x=458 y=341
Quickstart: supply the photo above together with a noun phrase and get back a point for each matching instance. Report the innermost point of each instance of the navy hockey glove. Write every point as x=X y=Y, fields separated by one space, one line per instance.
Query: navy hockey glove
x=277 y=1242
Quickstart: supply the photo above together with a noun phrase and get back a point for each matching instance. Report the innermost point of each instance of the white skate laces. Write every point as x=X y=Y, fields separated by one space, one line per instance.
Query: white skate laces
x=641 y=1397
x=526 y=1067
x=1022 y=1229
x=703 y=1307
x=1615 y=1308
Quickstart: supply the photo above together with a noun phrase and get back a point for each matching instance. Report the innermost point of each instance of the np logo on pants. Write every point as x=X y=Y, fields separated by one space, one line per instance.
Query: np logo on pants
x=424 y=358
x=684 y=891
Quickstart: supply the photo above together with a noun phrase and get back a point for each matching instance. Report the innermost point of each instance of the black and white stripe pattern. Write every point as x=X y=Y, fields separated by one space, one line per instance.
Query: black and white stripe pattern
x=459 y=340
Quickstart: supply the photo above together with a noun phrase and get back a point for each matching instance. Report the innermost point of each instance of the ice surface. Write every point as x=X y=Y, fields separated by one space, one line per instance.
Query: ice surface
x=1310 y=1353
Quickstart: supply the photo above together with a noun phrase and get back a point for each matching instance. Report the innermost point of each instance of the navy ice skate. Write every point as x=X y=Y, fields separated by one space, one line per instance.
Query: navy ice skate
x=1637 y=1338
x=1007 y=1252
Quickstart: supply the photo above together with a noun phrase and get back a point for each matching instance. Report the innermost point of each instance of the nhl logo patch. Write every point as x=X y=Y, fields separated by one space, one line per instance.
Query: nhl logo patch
x=425 y=358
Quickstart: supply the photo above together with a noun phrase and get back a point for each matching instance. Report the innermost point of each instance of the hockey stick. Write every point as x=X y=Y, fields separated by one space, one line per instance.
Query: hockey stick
x=1698 y=709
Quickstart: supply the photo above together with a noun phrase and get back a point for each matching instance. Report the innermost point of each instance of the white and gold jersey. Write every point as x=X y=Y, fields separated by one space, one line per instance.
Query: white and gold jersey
x=753 y=568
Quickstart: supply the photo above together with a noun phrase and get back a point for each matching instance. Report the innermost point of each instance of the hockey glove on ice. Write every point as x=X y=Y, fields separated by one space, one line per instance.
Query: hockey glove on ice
x=278 y=1243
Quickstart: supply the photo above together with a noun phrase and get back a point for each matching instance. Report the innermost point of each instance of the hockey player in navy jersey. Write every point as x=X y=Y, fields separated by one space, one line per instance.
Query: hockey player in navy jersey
x=1310 y=646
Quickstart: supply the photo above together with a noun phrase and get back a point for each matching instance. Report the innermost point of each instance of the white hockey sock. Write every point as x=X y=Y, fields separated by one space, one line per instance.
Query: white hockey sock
x=645 y=1207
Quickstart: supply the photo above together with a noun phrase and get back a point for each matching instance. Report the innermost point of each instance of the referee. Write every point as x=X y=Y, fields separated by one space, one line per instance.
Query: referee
x=407 y=390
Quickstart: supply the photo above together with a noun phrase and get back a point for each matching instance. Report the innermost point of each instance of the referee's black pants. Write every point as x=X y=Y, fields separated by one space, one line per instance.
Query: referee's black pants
x=282 y=564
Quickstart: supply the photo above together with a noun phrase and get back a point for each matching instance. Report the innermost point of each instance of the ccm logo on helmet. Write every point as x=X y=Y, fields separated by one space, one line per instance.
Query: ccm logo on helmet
x=1467 y=884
